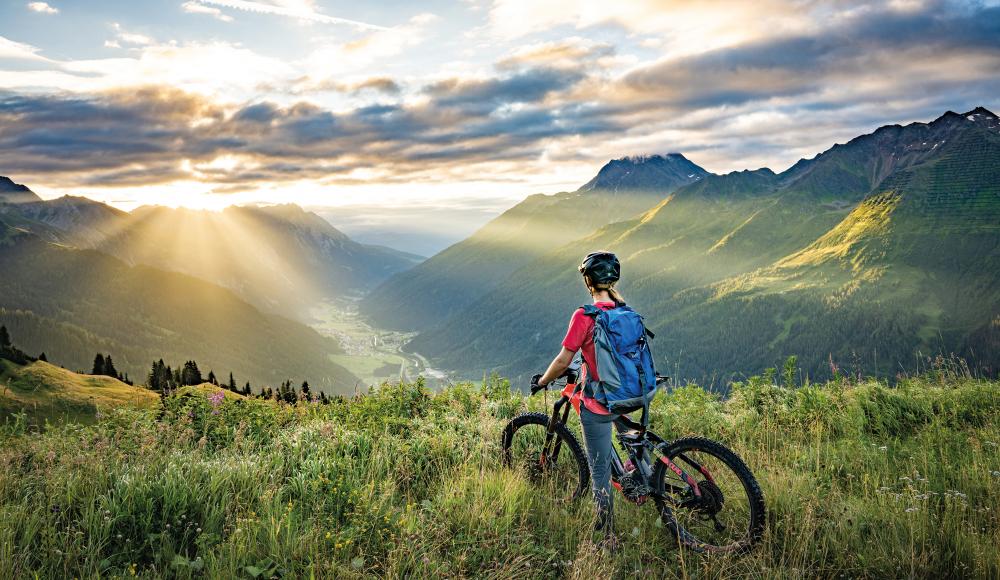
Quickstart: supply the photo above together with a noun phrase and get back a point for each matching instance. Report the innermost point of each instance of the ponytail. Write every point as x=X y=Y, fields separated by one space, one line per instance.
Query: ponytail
x=616 y=296
x=609 y=288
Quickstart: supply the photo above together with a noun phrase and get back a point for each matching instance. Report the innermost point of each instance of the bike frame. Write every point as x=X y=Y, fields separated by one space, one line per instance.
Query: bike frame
x=636 y=439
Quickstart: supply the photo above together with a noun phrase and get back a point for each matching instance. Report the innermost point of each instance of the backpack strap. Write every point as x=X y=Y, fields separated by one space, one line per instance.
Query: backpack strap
x=591 y=310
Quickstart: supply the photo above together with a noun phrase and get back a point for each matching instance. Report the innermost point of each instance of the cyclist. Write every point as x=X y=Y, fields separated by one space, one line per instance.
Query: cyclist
x=601 y=271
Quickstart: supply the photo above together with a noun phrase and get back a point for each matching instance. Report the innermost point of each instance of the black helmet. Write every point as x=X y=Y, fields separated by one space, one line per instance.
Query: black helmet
x=601 y=268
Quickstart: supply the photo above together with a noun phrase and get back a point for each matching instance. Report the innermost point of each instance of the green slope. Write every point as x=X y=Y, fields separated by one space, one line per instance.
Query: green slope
x=427 y=295
x=72 y=303
x=45 y=392
x=280 y=258
x=870 y=253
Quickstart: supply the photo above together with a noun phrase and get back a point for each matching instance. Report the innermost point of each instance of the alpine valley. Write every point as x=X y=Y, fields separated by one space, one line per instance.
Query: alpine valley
x=229 y=289
x=868 y=258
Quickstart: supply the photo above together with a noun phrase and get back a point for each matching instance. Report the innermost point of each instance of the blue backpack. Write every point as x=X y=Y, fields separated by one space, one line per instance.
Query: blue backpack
x=624 y=362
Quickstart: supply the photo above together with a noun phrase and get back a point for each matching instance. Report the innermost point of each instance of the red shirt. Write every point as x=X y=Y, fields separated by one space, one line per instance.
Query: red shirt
x=580 y=336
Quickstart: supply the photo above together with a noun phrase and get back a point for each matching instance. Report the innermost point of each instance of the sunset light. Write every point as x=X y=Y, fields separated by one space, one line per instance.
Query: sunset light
x=505 y=289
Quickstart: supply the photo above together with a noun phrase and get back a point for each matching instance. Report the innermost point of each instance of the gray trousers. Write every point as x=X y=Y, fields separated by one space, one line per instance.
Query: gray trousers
x=597 y=436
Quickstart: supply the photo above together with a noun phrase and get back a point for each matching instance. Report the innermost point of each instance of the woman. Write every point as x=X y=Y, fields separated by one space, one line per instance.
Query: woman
x=601 y=271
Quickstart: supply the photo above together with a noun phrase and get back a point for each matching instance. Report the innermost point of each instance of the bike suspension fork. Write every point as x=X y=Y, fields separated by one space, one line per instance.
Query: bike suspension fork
x=553 y=453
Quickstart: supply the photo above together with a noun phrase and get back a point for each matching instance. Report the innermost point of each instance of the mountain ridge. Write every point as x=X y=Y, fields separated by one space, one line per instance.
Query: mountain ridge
x=280 y=257
x=688 y=261
x=73 y=302
x=458 y=276
x=11 y=192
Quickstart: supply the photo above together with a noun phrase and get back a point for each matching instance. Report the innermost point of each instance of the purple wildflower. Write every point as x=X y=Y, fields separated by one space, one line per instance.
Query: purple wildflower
x=215 y=399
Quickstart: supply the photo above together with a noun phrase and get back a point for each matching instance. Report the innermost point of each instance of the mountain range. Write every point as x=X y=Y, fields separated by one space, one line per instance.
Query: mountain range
x=444 y=285
x=872 y=255
x=869 y=255
x=223 y=288
x=280 y=258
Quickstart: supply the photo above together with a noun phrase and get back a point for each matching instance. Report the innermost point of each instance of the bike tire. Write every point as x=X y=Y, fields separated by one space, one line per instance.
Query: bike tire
x=569 y=443
x=755 y=497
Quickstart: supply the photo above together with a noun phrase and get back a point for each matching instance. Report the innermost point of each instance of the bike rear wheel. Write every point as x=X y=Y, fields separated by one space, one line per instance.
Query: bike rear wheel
x=563 y=470
x=729 y=513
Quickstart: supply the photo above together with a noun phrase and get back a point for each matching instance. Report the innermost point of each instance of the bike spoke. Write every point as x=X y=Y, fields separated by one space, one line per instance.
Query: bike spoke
x=720 y=517
x=557 y=473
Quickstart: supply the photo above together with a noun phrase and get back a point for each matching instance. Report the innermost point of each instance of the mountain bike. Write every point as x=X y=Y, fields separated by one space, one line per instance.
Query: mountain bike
x=705 y=495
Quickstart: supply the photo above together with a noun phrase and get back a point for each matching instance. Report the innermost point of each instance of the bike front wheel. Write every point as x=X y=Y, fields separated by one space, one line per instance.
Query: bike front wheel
x=560 y=466
x=727 y=513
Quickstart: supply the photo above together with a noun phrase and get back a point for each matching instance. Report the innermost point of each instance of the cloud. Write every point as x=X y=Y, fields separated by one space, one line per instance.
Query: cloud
x=132 y=38
x=18 y=50
x=685 y=27
x=565 y=53
x=876 y=50
x=299 y=9
x=379 y=85
x=485 y=94
x=334 y=57
x=549 y=111
x=116 y=137
x=193 y=7
x=42 y=7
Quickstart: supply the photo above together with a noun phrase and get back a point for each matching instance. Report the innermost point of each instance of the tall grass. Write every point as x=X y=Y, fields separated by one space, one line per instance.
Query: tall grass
x=861 y=480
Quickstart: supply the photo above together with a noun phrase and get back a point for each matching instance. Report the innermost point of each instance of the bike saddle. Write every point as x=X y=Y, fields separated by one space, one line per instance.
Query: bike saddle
x=631 y=437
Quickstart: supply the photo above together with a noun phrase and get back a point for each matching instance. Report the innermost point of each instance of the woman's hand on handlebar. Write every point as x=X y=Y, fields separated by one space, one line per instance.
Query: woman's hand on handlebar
x=535 y=386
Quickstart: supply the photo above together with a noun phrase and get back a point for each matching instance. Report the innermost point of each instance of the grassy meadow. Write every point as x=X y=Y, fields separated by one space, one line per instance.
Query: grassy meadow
x=45 y=392
x=861 y=480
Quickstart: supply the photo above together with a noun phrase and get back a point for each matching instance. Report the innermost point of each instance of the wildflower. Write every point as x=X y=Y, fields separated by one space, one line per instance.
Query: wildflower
x=882 y=448
x=328 y=535
x=910 y=509
x=216 y=398
x=995 y=473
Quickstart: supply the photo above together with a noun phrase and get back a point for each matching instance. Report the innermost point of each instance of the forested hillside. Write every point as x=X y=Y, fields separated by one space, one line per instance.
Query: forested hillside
x=869 y=255
x=280 y=258
x=72 y=303
x=441 y=287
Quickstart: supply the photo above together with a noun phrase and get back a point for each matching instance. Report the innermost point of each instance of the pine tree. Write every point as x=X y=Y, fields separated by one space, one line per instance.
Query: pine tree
x=232 y=383
x=305 y=390
x=211 y=378
x=109 y=367
x=323 y=398
x=4 y=337
x=43 y=358
x=246 y=389
x=98 y=365
x=191 y=375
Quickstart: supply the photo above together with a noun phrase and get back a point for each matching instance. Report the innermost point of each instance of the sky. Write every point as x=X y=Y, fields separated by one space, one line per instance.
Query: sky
x=381 y=114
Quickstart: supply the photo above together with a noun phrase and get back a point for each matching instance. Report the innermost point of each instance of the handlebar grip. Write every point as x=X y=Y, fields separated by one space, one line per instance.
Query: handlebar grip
x=536 y=387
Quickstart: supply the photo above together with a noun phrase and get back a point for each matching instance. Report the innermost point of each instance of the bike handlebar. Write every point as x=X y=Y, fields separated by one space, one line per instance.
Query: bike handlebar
x=571 y=376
